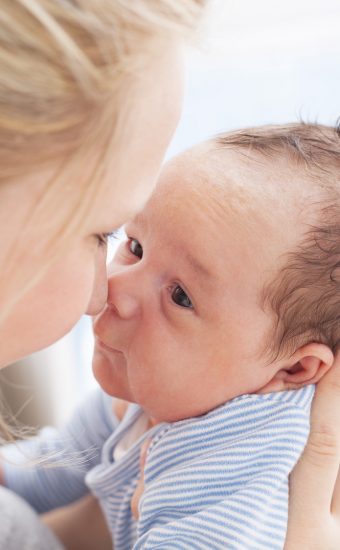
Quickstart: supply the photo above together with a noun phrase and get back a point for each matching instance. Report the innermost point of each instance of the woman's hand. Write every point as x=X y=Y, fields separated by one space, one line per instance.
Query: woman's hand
x=314 y=504
x=80 y=525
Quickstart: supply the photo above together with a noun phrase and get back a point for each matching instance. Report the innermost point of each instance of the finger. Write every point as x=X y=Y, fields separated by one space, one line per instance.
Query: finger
x=317 y=470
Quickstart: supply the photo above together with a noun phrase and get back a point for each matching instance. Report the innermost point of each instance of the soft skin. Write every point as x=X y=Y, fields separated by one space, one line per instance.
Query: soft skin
x=184 y=328
x=76 y=281
x=314 y=490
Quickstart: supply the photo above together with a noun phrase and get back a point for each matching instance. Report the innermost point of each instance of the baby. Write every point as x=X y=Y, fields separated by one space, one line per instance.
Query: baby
x=222 y=313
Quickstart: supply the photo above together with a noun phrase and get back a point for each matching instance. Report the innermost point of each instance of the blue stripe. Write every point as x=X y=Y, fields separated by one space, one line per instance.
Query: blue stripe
x=215 y=482
x=218 y=481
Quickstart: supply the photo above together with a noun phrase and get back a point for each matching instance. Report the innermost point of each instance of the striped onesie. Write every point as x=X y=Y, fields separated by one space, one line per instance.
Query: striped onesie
x=214 y=482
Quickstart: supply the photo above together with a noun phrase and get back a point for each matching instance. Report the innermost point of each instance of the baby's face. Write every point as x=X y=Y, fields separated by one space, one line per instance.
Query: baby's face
x=184 y=328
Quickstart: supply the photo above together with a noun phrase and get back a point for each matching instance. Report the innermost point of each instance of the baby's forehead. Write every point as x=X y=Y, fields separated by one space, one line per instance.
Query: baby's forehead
x=205 y=182
x=201 y=165
x=218 y=175
x=242 y=192
x=242 y=178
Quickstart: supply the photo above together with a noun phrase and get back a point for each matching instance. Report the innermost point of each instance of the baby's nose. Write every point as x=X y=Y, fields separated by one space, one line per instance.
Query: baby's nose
x=124 y=295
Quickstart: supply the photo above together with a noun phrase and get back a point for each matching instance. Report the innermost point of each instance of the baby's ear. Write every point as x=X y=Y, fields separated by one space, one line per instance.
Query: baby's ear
x=307 y=365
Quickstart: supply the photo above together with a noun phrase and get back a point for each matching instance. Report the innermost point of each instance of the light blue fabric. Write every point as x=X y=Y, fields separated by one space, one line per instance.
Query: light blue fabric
x=74 y=449
x=213 y=482
x=20 y=526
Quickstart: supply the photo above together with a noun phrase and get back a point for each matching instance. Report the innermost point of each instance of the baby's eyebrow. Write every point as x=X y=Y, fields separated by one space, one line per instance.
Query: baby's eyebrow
x=197 y=266
x=139 y=219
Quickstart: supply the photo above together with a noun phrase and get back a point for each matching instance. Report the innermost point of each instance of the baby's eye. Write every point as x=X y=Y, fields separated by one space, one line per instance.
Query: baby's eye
x=135 y=248
x=180 y=297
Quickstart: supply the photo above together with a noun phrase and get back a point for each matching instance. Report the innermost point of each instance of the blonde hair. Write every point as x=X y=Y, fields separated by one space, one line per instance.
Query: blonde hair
x=65 y=67
x=62 y=65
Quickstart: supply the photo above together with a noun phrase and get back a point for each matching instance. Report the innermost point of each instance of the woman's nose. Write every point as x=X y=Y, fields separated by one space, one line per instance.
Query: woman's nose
x=124 y=293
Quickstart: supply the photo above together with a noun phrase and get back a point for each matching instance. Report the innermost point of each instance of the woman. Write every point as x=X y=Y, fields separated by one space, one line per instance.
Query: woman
x=89 y=98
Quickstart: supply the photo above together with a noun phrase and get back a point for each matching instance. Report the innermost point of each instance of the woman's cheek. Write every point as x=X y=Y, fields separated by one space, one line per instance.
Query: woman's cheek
x=99 y=290
x=70 y=286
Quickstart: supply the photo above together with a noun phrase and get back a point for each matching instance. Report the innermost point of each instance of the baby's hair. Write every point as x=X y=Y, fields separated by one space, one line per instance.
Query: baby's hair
x=304 y=295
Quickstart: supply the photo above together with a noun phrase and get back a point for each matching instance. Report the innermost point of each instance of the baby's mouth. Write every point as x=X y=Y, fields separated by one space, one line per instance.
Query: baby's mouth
x=102 y=344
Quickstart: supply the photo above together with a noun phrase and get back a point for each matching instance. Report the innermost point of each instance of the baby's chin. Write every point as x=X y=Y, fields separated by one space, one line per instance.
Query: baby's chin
x=110 y=371
x=111 y=374
x=169 y=412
